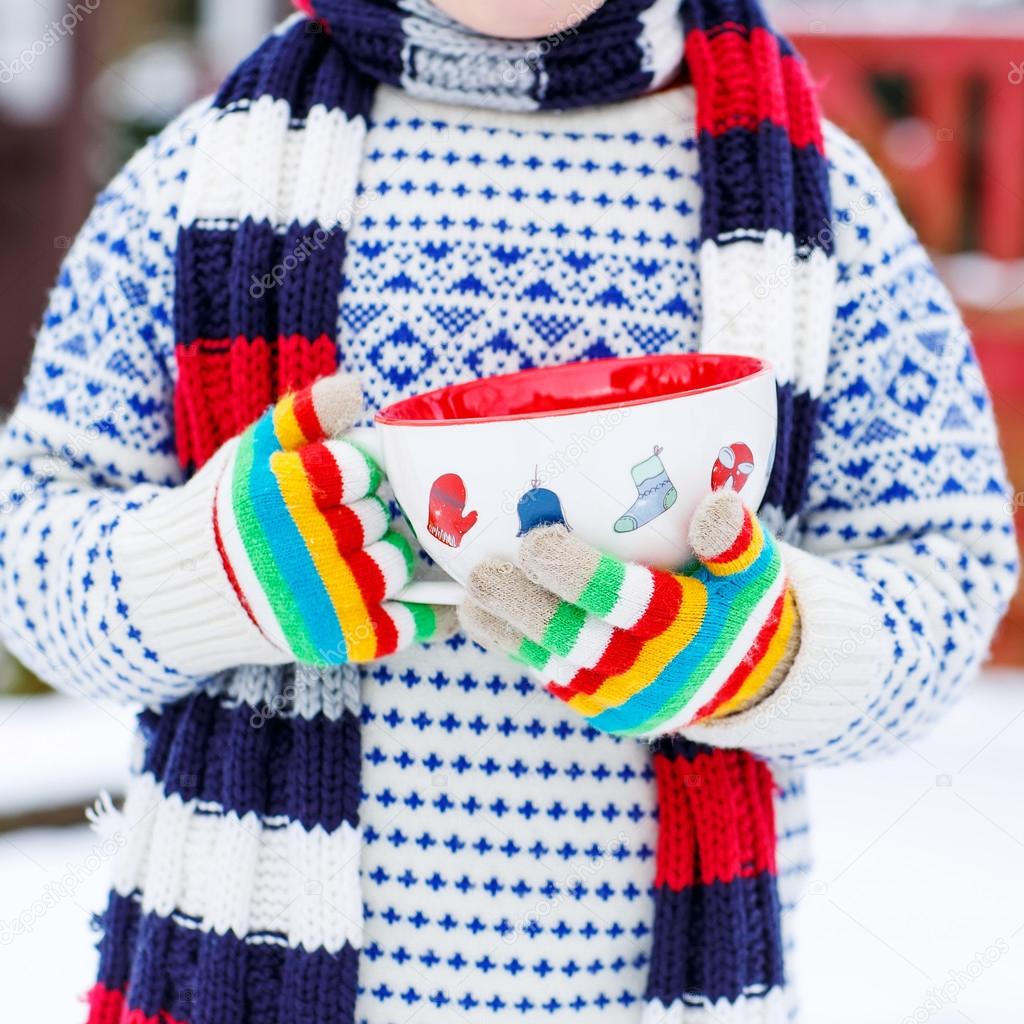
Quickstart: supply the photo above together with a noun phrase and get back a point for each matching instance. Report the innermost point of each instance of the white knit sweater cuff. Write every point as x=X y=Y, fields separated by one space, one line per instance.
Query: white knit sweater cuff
x=175 y=584
x=842 y=660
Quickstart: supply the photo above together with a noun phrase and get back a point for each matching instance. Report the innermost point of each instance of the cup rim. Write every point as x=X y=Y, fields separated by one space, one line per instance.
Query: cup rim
x=751 y=367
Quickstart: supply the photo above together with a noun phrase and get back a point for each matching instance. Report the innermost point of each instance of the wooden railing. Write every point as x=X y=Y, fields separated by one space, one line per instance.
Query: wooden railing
x=942 y=112
x=944 y=116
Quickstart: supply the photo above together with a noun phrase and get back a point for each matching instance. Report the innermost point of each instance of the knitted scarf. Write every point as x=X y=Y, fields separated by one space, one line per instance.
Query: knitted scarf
x=298 y=107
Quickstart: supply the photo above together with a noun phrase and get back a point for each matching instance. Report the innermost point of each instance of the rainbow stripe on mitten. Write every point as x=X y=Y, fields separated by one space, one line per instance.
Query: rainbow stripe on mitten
x=305 y=539
x=635 y=650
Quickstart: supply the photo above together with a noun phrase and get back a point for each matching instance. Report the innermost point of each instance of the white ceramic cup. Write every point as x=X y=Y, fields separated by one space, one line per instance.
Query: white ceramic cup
x=620 y=450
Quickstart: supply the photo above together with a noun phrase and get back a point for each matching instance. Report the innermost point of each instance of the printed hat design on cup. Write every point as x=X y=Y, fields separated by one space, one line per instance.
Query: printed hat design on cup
x=593 y=421
x=539 y=506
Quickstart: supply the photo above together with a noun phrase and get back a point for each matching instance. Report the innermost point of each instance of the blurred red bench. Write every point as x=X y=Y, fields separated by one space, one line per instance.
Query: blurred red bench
x=942 y=112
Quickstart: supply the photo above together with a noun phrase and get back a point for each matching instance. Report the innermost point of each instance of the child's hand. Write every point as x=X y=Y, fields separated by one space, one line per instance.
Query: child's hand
x=306 y=541
x=636 y=650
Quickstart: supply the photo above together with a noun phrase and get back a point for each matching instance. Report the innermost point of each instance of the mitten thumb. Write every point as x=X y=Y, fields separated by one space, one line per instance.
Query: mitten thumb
x=338 y=401
x=324 y=409
x=719 y=526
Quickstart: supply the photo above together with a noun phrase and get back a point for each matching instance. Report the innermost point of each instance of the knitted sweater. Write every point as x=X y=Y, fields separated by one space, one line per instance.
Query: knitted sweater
x=507 y=848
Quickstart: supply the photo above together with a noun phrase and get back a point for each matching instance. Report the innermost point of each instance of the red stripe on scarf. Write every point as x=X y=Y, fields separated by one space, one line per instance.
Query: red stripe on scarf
x=225 y=384
x=716 y=818
x=110 y=1006
x=743 y=81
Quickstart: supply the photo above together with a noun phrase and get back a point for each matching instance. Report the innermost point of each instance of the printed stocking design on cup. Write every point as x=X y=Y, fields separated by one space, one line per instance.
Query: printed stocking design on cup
x=655 y=494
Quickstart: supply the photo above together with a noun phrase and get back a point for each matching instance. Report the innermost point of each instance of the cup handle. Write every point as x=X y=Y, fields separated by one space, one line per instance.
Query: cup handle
x=446 y=592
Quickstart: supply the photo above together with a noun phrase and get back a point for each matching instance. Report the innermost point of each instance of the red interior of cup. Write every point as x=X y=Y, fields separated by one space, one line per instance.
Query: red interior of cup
x=573 y=387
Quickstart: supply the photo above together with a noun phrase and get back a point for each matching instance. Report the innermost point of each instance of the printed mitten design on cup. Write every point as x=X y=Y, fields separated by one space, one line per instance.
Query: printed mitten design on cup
x=447 y=519
x=306 y=541
x=639 y=651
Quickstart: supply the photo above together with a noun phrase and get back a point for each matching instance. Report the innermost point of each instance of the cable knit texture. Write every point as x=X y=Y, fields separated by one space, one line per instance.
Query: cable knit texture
x=506 y=851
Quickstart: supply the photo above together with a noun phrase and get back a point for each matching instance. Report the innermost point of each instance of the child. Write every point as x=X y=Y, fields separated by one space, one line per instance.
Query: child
x=330 y=821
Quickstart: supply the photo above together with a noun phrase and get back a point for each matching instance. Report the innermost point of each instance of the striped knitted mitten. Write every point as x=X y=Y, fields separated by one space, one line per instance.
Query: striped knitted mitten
x=306 y=541
x=638 y=651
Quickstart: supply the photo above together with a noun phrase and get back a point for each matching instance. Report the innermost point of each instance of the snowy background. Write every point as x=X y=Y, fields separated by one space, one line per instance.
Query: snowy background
x=915 y=909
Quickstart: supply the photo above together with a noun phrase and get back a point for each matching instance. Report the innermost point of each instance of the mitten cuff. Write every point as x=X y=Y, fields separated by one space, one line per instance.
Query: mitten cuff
x=842 y=651
x=174 y=585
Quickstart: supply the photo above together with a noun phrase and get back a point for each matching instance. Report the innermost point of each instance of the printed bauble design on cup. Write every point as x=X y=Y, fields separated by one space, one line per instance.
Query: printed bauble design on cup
x=539 y=506
x=655 y=494
x=447 y=520
x=732 y=468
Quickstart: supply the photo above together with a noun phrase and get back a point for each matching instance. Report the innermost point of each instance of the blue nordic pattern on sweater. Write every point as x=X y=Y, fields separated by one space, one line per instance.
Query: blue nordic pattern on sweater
x=508 y=853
